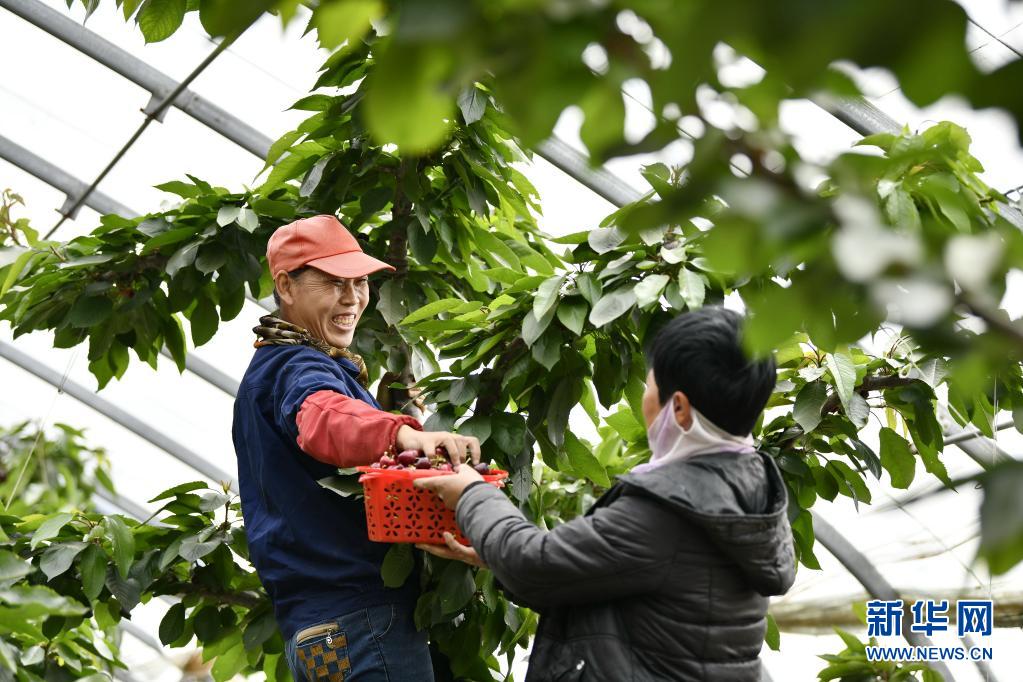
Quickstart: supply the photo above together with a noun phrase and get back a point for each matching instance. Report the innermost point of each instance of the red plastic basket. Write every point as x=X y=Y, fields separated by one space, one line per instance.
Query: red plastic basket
x=397 y=511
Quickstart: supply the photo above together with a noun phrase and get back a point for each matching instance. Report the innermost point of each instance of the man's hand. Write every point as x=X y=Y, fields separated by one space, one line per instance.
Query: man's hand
x=449 y=487
x=409 y=438
x=454 y=550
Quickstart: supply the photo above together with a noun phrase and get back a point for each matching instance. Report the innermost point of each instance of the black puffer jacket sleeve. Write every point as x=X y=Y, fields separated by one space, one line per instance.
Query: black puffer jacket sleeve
x=613 y=552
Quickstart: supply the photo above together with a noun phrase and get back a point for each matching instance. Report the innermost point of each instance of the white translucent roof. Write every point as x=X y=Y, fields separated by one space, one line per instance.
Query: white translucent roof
x=75 y=113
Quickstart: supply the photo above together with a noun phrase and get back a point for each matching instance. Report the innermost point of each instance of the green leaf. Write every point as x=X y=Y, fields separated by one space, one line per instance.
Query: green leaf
x=882 y=140
x=583 y=463
x=406 y=103
x=227 y=215
x=547 y=350
x=259 y=630
x=313 y=102
x=93 y=569
x=390 y=302
x=463 y=390
x=15 y=271
x=772 y=638
x=281 y=145
x=397 y=565
x=195 y=547
x=602 y=240
x=572 y=313
x=184 y=190
x=624 y=422
x=692 y=287
x=565 y=397
x=532 y=327
x=38 y=601
x=204 y=321
x=162 y=239
x=58 y=558
x=478 y=426
x=228 y=17
x=589 y=286
x=343 y=21
x=179 y=489
x=432 y=310
x=649 y=289
x=612 y=305
x=12 y=568
x=211 y=258
x=604 y=122
x=897 y=458
x=173 y=624
x=547 y=295
x=174 y=338
x=229 y=663
x=1001 y=517
x=858 y=410
x=183 y=257
x=843 y=374
x=851 y=641
x=473 y=103
x=159 y=19
x=49 y=528
x=509 y=432
x=456 y=587
x=901 y=210
x=123 y=543
x=88 y=311
x=213 y=501
x=809 y=401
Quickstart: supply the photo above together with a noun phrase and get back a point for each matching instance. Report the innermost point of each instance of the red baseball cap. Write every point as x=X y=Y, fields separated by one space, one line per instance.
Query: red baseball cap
x=323 y=243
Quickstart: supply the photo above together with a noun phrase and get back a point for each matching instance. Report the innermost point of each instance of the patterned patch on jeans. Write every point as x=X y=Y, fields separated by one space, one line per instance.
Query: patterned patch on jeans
x=321 y=660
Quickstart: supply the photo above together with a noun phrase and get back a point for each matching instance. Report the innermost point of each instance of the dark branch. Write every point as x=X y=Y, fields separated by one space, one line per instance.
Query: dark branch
x=245 y=599
x=997 y=324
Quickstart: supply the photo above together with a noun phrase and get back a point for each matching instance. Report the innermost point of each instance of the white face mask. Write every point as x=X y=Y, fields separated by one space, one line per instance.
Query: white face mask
x=665 y=432
x=669 y=441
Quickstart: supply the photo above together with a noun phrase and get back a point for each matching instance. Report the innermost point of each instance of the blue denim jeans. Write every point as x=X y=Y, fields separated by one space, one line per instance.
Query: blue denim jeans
x=376 y=644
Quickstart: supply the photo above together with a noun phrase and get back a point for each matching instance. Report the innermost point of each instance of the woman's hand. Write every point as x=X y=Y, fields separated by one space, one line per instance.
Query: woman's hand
x=449 y=487
x=409 y=438
x=454 y=550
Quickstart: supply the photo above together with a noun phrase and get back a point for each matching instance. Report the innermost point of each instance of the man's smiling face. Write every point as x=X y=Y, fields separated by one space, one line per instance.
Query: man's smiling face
x=328 y=307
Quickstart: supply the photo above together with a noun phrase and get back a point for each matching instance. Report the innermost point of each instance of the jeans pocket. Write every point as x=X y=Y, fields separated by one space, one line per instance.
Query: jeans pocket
x=381 y=619
x=321 y=654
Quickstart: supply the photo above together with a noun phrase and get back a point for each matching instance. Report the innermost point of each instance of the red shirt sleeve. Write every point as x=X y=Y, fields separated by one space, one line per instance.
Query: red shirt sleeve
x=346 y=432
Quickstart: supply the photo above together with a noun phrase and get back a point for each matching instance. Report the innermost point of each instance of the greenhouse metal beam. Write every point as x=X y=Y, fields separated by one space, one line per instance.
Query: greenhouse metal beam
x=559 y=154
x=72 y=187
x=114 y=500
x=158 y=84
x=577 y=165
x=861 y=568
x=117 y=414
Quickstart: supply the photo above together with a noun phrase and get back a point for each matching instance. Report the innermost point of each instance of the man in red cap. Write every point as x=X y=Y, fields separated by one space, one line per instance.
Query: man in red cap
x=304 y=409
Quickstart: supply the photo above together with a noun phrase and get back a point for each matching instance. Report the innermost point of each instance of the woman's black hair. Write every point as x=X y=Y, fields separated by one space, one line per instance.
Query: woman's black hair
x=700 y=353
x=293 y=274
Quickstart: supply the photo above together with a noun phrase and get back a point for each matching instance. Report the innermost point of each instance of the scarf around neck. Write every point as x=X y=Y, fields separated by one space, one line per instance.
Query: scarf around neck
x=273 y=331
x=669 y=441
